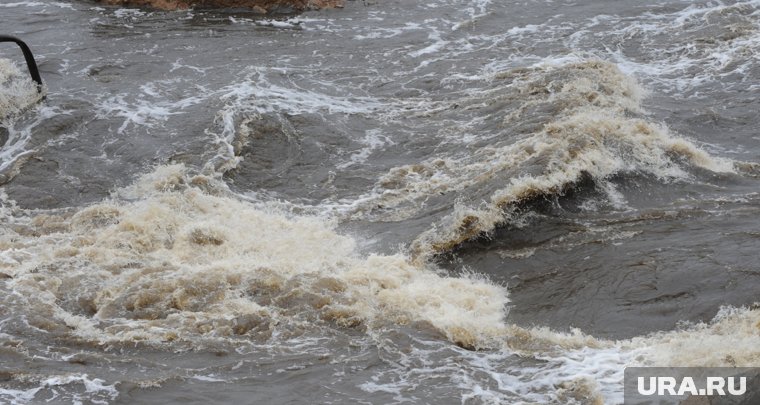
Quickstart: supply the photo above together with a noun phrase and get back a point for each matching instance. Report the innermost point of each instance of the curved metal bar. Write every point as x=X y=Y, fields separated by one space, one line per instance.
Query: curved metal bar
x=31 y=64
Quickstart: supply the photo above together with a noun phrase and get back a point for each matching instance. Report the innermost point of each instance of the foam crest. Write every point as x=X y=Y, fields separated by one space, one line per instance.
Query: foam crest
x=17 y=94
x=165 y=261
x=549 y=127
x=731 y=339
x=17 y=91
x=574 y=367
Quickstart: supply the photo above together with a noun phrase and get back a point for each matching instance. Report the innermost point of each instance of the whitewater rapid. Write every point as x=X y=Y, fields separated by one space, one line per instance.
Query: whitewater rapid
x=437 y=204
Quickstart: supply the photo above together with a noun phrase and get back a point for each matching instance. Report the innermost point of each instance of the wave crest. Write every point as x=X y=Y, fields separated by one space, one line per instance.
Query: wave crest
x=166 y=261
x=550 y=127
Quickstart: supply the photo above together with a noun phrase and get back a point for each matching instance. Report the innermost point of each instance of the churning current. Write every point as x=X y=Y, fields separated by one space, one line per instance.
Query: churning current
x=446 y=202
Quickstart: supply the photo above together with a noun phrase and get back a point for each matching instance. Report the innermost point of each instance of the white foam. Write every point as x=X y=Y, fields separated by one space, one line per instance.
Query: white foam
x=15 y=397
x=207 y=378
x=147 y=111
x=130 y=13
x=373 y=140
x=18 y=93
x=22 y=4
x=63 y=388
x=438 y=43
x=689 y=61
x=257 y=95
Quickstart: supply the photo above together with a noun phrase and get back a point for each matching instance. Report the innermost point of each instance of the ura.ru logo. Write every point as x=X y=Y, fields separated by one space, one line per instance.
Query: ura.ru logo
x=687 y=386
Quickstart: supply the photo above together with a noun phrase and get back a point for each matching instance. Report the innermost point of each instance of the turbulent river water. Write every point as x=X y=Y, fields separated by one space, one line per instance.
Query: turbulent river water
x=395 y=202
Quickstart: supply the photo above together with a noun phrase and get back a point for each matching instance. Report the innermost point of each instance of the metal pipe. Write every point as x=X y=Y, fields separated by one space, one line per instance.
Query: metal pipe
x=31 y=64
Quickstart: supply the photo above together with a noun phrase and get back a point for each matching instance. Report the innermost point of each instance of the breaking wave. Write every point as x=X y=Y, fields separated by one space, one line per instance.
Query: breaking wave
x=549 y=127
x=177 y=261
x=173 y=258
